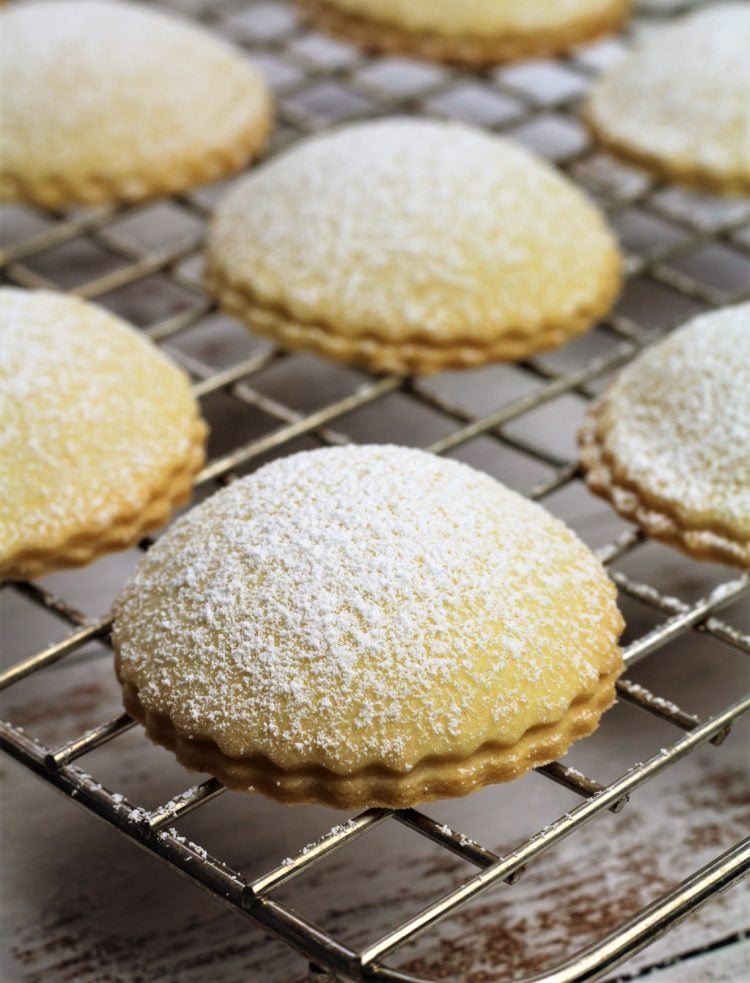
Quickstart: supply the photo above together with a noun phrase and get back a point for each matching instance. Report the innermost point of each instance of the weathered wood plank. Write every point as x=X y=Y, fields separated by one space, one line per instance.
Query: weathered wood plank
x=83 y=905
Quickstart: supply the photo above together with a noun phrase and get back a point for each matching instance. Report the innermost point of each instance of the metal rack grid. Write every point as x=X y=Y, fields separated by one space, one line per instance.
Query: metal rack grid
x=314 y=90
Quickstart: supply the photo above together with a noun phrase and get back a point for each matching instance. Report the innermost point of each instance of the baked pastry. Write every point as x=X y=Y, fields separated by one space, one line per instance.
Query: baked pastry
x=367 y=626
x=107 y=101
x=669 y=442
x=473 y=32
x=410 y=245
x=100 y=436
x=679 y=103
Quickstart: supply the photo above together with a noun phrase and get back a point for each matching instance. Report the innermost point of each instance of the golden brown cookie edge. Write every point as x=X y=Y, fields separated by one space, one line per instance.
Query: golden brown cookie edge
x=83 y=546
x=418 y=356
x=461 y=50
x=680 y=171
x=59 y=191
x=632 y=503
x=429 y=780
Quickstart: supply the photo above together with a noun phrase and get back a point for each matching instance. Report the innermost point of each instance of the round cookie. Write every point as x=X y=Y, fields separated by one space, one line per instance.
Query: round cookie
x=679 y=103
x=367 y=626
x=410 y=245
x=109 y=101
x=669 y=441
x=473 y=32
x=100 y=436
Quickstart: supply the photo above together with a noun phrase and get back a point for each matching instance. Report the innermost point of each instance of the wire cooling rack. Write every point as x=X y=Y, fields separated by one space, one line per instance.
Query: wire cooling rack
x=693 y=249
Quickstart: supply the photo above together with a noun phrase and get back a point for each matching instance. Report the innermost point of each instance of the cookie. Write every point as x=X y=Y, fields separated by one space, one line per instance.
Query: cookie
x=367 y=626
x=472 y=32
x=410 y=245
x=99 y=433
x=679 y=103
x=668 y=444
x=105 y=101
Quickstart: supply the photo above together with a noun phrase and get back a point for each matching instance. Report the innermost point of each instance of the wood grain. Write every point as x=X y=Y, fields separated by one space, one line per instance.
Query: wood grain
x=81 y=904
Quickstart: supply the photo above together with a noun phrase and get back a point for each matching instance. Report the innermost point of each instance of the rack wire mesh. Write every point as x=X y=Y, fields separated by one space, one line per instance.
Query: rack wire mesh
x=695 y=249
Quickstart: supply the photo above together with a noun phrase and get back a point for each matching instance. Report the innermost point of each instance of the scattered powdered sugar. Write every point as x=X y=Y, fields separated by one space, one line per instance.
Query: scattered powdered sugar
x=725 y=590
x=683 y=94
x=656 y=701
x=332 y=833
x=187 y=796
x=677 y=421
x=650 y=594
x=364 y=605
x=413 y=228
x=93 y=418
x=575 y=774
x=173 y=834
x=137 y=91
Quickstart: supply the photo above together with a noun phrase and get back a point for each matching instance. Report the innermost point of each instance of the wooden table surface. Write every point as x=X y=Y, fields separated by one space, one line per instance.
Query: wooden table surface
x=80 y=904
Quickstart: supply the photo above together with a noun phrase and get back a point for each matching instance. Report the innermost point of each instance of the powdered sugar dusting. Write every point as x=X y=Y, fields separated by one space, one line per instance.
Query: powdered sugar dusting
x=676 y=422
x=93 y=419
x=333 y=833
x=136 y=91
x=365 y=605
x=407 y=228
x=684 y=93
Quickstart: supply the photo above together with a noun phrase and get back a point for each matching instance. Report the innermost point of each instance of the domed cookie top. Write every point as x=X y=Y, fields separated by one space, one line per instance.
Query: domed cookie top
x=669 y=441
x=471 y=31
x=109 y=101
x=99 y=434
x=411 y=245
x=367 y=625
x=680 y=102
